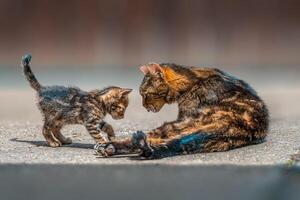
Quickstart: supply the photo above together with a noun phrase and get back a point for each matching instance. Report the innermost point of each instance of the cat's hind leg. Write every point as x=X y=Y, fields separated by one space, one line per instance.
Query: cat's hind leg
x=57 y=133
x=49 y=136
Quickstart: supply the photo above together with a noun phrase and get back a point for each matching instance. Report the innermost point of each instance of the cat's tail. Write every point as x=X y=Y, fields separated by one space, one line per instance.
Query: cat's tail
x=28 y=73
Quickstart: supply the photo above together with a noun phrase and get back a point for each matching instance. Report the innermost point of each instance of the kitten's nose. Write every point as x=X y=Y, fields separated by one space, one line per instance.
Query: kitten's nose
x=146 y=106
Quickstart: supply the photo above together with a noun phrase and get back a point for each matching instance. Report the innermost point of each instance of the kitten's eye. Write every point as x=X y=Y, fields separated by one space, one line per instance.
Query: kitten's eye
x=117 y=108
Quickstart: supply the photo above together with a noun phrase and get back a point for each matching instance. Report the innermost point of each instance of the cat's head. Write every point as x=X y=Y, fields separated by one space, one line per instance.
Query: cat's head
x=157 y=86
x=116 y=101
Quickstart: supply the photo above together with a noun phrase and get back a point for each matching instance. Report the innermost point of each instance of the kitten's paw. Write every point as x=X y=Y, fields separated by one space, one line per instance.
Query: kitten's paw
x=67 y=141
x=105 y=150
x=26 y=59
x=54 y=144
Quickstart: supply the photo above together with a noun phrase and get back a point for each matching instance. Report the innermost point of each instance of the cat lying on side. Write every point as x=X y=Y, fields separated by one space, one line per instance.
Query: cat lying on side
x=217 y=112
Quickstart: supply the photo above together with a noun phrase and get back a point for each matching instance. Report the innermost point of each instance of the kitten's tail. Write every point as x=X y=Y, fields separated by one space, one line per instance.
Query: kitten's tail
x=28 y=73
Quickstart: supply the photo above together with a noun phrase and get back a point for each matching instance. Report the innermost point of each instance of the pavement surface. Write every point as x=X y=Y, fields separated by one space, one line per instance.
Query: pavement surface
x=29 y=169
x=21 y=139
x=23 y=143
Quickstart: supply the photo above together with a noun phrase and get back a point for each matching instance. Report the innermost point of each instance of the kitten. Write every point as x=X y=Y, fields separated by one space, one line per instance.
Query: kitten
x=69 y=105
x=217 y=112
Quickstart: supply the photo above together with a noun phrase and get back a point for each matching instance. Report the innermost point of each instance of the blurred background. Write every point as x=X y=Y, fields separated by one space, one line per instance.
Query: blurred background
x=95 y=43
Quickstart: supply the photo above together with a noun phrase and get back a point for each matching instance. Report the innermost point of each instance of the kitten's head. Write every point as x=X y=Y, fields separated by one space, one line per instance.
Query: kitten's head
x=155 y=88
x=116 y=101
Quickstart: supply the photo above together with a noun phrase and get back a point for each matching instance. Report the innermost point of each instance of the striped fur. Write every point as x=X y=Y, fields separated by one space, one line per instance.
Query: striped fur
x=70 y=105
x=217 y=112
x=28 y=73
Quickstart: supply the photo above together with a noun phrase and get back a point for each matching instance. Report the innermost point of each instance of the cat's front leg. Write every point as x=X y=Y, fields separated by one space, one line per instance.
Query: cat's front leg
x=94 y=129
x=108 y=129
x=105 y=149
x=171 y=129
x=134 y=144
x=168 y=131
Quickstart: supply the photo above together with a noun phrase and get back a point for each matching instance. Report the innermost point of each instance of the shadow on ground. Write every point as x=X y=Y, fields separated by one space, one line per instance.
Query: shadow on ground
x=44 y=144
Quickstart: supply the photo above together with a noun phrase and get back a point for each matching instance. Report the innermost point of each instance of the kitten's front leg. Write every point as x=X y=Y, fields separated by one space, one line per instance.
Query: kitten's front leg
x=94 y=129
x=108 y=129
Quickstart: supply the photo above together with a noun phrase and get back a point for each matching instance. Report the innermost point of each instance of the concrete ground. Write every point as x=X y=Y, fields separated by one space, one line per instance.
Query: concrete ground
x=21 y=140
x=31 y=170
x=23 y=143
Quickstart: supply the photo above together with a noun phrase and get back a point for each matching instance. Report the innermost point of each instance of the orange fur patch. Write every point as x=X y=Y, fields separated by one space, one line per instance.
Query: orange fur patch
x=175 y=80
x=244 y=105
x=156 y=141
x=248 y=119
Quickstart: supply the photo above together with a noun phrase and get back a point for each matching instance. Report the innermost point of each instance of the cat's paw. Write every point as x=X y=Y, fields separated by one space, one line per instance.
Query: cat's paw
x=67 y=141
x=26 y=59
x=139 y=140
x=54 y=144
x=105 y=150
x=147 y=153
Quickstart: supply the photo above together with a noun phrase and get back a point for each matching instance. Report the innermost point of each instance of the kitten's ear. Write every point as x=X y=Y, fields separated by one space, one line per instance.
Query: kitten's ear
x=144 y=69
x=154 y=68
x=125 y=91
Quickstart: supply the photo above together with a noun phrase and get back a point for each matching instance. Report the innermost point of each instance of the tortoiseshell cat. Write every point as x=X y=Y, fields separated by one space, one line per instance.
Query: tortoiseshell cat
x=217 y=112
x=69 y=105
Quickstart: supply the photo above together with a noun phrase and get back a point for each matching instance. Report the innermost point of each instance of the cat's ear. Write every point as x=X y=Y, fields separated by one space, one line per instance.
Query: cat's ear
x=154 y=68
x=144 y=69
x=125 y=91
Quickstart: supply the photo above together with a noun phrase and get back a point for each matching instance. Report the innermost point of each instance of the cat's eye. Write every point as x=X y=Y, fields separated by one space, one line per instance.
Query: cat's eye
x=156 y=95
x=120 y=108
x=153 y=95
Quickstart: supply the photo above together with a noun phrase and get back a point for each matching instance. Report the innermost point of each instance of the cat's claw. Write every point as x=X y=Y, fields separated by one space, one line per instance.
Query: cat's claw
x=105 y=150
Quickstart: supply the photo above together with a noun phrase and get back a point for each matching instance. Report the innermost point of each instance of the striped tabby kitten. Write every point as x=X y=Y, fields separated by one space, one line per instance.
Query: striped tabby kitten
x=69 y=105
x=217 y=112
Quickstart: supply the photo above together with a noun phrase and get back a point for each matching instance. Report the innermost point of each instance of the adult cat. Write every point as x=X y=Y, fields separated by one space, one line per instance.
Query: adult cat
x=217 y=112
